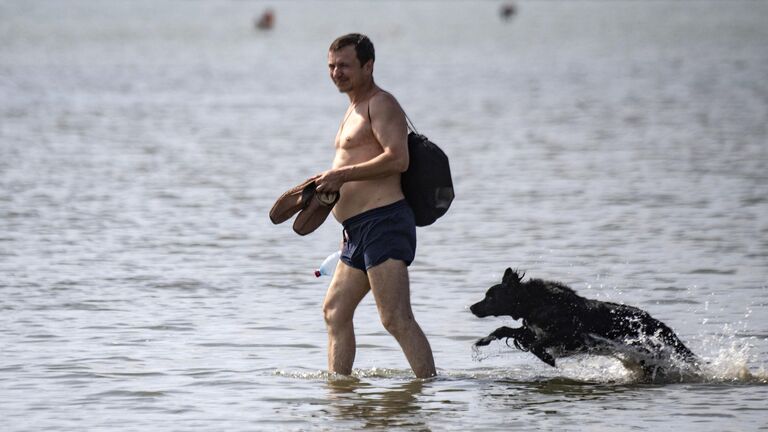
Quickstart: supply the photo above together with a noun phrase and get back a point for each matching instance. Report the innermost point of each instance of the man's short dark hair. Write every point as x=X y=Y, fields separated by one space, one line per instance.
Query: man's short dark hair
x=363 y=46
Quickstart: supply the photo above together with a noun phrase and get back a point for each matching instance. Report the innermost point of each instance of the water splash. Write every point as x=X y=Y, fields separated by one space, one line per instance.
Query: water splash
x=357 y=374
x=729 y=356
x=723 y=358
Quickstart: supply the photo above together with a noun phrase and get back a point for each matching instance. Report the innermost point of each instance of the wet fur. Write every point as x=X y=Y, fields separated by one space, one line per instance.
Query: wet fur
x=557 y=322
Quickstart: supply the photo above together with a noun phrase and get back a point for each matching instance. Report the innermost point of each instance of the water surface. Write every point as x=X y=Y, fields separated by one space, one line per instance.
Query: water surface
x=619 y=147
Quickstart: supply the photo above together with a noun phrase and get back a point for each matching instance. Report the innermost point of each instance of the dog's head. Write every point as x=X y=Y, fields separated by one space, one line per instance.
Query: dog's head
x=505 y=298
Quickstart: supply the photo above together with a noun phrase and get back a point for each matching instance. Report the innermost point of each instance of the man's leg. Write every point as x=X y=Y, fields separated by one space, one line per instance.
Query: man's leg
x=390 y=287
x=348 y=287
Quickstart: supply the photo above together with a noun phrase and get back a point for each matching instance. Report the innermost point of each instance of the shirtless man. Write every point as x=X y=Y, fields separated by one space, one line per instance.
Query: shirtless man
x=379 y=236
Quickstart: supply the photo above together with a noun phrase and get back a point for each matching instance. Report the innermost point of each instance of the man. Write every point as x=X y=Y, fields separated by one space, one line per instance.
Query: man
x=379 y=236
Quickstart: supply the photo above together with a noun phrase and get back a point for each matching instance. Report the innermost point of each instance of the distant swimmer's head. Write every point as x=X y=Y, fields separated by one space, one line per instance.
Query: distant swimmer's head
x=350 y=61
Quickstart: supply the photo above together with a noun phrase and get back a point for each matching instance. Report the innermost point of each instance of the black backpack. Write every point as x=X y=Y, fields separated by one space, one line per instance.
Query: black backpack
x=427 y=183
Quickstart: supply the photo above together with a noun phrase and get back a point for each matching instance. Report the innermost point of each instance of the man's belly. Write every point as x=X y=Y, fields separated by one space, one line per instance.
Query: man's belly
x=360 y=196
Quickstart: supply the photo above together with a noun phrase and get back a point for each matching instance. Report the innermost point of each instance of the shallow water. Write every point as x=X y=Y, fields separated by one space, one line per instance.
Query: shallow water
x=619 y=147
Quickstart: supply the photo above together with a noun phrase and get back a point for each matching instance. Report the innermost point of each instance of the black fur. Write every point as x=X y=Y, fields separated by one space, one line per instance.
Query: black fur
x=557 y=322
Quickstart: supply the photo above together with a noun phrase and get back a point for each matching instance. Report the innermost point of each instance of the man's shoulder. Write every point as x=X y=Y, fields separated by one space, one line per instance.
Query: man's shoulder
x=384 y=102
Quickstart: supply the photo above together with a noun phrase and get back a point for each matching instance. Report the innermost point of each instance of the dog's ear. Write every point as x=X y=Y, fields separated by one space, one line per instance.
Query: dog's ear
x=510 y=278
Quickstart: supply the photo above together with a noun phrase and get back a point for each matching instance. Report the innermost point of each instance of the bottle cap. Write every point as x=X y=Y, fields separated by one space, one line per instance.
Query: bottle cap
x=317 y=273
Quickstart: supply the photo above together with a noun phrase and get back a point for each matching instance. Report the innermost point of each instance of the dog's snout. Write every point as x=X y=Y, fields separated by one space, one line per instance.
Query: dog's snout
x=478 y=310
x=473 y=308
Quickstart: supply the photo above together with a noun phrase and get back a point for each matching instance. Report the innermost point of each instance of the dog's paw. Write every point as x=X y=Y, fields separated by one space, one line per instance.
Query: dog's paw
x=543 y=356
x=485 y=341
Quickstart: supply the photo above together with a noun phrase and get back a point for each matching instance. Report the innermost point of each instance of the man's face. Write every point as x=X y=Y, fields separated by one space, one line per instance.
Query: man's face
x=345 y=69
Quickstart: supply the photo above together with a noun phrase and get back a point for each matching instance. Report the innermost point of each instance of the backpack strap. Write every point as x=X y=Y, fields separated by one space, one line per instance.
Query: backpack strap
x=411 y=127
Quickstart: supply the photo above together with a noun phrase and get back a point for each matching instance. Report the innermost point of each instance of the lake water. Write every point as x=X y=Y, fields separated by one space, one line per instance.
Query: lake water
x=619 y=147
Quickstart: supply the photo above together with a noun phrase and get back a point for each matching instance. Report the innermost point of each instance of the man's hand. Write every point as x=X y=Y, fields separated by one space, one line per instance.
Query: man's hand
x=330 y=181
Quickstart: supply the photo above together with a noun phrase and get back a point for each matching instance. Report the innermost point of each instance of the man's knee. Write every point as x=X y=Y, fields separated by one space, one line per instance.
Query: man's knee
x=397 y=323
x=336 y=314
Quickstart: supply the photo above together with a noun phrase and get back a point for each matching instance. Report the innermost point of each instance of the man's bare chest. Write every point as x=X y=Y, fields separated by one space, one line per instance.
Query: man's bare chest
x=355 y=132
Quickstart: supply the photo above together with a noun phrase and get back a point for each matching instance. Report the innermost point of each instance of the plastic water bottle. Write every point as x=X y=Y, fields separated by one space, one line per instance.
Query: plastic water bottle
x=329 y=265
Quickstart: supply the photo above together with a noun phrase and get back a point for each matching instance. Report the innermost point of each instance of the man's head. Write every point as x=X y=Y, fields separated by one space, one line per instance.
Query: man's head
x=362 y=45
x=350 y=61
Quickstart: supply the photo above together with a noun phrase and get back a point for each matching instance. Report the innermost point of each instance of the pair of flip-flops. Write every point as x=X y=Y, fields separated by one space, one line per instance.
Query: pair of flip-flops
x=312 y=207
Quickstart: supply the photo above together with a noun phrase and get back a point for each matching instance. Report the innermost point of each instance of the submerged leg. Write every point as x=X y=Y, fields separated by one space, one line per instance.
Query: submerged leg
x=348 y=287
x=390 y=287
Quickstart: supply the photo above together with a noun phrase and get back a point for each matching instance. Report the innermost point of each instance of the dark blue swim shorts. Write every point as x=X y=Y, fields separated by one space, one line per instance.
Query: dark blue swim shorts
x=376 y=235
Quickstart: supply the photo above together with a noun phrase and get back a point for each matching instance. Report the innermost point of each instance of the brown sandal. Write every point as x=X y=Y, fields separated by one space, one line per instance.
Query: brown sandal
x=292 y=202
x=315 y=213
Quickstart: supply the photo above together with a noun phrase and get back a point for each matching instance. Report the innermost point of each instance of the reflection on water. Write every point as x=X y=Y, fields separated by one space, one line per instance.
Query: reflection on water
x=375 y=406
x=388 y=399
x=548 y=396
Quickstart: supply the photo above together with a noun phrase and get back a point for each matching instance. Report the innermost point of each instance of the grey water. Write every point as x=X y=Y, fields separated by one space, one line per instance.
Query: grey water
x=620 y=147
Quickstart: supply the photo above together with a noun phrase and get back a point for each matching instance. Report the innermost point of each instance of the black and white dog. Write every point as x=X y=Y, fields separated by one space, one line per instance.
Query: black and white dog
x=557 y=322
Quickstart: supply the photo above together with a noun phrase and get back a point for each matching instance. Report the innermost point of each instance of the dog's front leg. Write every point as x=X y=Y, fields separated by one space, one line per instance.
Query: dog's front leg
x=499 y=333
x=537 y=349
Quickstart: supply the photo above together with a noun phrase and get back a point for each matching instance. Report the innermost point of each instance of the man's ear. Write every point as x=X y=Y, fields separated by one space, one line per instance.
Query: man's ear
x=368 y=66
